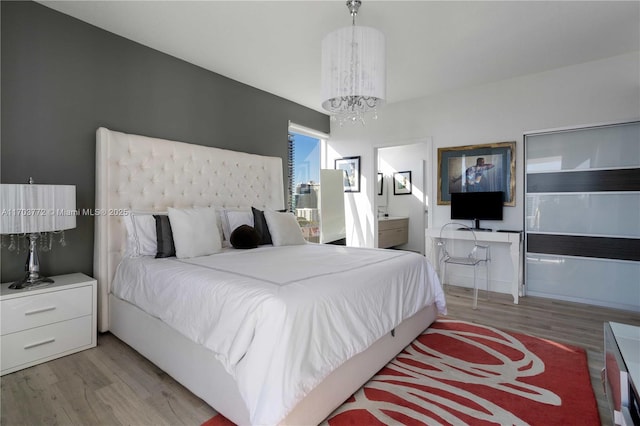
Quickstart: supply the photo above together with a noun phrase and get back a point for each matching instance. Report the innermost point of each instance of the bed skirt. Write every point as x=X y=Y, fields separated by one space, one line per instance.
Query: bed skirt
x=195 y=367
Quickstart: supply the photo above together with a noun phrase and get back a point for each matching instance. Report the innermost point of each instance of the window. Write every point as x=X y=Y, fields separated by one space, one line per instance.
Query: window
x=305 y=154
x=306 y=166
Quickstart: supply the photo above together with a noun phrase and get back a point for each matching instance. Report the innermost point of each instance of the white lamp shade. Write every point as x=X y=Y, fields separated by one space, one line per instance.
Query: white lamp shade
x=353 y=65
x=33 y=208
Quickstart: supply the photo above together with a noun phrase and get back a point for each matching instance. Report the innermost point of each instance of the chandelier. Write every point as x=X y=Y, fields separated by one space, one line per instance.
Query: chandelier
x=353 y=71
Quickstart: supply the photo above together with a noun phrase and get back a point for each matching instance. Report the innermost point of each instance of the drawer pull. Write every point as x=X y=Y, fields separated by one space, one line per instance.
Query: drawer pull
x=43 y=342
x=39 y=311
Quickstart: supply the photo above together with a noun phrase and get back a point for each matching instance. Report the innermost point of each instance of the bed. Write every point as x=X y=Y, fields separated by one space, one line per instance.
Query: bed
x=284 y=339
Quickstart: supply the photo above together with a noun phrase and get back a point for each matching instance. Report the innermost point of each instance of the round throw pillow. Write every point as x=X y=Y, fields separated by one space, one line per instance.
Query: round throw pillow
x=244 y=237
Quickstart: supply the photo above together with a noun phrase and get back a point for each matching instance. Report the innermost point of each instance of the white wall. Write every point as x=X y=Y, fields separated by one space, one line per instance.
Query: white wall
x=599 y=91
x=593 y=92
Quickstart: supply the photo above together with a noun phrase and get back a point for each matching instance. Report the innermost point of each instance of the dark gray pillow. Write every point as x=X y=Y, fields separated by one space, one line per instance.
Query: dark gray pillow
x=164 y=237
x=260 y=223
x=244 y=237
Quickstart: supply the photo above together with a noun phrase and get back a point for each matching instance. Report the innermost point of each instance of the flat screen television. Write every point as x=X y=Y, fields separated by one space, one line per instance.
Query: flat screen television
x=477 y=206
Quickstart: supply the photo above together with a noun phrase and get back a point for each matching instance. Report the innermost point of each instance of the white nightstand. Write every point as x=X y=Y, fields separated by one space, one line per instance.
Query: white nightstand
x=46 y=323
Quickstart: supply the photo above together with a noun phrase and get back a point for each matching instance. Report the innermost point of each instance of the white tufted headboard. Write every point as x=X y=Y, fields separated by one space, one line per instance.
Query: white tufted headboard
x=149 y=174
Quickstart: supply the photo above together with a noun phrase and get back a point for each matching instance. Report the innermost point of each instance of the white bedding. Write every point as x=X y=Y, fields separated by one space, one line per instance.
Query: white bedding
x=280 y=319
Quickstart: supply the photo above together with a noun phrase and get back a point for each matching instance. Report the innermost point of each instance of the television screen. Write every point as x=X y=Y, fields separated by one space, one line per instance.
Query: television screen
x=477 y=206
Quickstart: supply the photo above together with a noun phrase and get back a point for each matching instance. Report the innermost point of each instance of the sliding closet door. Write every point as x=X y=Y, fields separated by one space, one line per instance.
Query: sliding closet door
x=582 y=215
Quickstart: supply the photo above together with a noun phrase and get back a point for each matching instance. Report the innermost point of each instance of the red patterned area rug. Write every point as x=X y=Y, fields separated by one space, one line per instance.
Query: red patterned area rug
x=459 y=373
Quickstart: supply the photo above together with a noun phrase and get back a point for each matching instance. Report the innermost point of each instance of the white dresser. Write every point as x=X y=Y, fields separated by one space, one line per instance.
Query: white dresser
x=45 y=323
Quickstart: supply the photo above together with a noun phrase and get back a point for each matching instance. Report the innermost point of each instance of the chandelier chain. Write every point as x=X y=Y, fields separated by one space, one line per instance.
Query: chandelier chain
x=353 y=6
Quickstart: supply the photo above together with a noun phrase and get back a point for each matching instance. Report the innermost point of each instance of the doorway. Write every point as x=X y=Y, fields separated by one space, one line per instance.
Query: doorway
x=403 y=190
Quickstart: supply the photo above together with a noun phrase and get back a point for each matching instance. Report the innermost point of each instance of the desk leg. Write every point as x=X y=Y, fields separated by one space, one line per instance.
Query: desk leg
x=432 y=253
x=514 y=251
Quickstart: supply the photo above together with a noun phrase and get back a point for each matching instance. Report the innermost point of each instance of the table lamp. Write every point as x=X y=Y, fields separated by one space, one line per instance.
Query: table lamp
x=35 y=211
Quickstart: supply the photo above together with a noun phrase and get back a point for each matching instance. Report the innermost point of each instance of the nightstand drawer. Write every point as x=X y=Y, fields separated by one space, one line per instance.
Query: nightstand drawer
x=49 y=341
x=23 y=313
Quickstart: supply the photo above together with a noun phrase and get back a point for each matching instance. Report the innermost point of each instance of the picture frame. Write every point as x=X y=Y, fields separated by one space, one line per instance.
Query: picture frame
x=380 y=184
x=402 y=183
x=477 y=168
x=351 y=167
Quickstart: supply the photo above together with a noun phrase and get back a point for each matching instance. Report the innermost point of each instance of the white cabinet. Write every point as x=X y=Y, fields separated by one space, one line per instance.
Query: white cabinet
x=45 y=323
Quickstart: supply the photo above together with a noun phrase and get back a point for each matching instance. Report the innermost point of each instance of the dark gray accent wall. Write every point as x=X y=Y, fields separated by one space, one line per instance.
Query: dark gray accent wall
x=62 y=78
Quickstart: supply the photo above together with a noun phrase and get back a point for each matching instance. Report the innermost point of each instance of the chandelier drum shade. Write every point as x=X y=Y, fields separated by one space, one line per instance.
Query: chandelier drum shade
x=353 y=72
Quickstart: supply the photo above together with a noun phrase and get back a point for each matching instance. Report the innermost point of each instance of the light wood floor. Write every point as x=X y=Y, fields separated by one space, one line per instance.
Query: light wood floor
x=113 y=385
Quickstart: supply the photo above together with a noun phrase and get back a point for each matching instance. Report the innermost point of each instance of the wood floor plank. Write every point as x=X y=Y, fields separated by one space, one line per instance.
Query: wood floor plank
x=171 y=403
x=88 y=409
x=128 y=409
x=82 y=368
x=132 y=366
x=37 y=401
x=13 y=405
x=105 y=363
x=112 y=384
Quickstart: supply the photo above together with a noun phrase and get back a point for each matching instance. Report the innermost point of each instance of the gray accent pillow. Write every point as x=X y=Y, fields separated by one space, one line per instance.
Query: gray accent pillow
x=164 y=236
x=260 y=223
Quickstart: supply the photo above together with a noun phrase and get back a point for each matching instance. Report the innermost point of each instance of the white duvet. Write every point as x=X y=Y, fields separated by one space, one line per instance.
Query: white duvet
x=280 y=319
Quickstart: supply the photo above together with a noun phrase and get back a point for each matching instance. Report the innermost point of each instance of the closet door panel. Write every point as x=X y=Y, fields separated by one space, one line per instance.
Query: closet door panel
x=582 y=149
x=611 y=283
x=582 y=215
x=601 y=214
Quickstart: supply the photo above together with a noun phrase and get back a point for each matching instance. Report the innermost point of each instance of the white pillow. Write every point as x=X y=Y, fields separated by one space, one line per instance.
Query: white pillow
x=141 y=234
x=284 y=229
x=195 y=232
x=231 y=219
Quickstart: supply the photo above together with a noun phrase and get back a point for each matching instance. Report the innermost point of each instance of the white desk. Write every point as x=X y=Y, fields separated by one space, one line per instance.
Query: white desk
x=513 y=239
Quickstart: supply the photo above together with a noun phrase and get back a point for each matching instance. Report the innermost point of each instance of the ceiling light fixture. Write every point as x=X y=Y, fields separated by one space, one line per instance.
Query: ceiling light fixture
x=353 y=70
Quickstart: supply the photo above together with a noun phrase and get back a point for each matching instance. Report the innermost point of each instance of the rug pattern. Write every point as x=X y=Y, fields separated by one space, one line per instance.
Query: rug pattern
x=459 y=373
x=462 y=373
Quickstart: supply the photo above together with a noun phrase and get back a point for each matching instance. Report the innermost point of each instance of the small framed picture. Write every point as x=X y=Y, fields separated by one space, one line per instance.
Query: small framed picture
x=402 y=183
x=351 y=168
x=380 y=184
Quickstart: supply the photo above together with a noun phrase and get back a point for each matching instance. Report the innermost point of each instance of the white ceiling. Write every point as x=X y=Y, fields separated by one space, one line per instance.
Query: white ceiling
x=432 y=46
